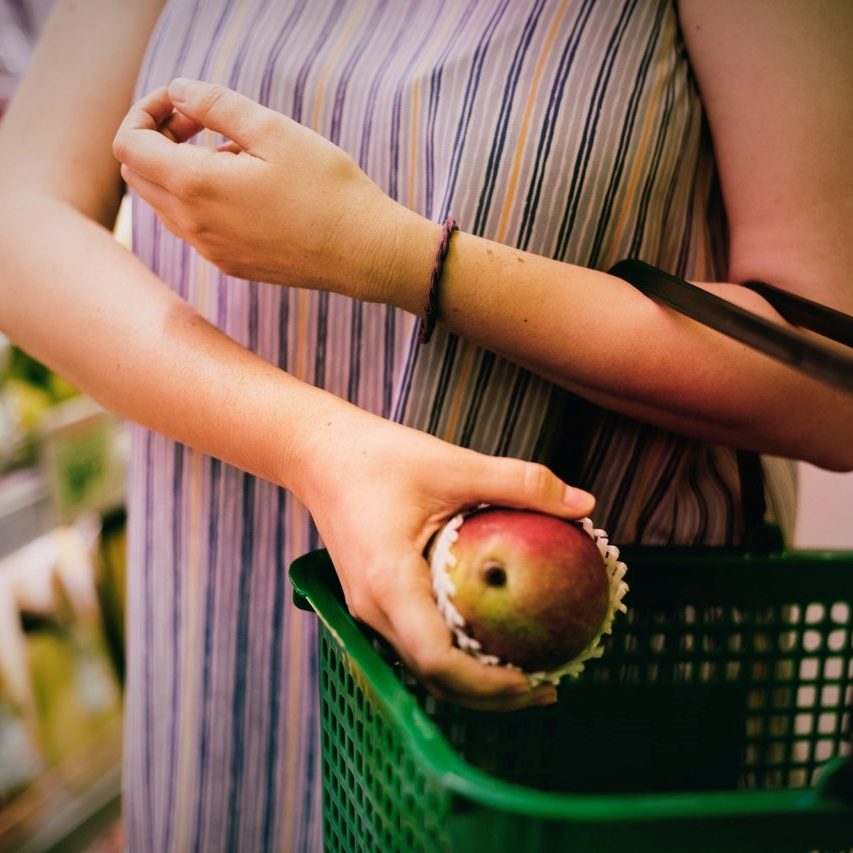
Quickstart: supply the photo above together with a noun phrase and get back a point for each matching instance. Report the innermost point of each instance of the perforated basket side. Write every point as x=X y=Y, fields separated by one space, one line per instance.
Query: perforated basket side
x=794 y=662
x=375 y=794
x=707 y=724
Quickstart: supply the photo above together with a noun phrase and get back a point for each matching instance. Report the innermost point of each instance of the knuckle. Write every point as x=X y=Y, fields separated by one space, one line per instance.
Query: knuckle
x=266 y=123
x=357 y=605
x=374 y=578
x=195 y=228
x=189 y=185
x=120 y=145
x=432 y=667
x=535 y=477
x=212 y=97
x=181 y=186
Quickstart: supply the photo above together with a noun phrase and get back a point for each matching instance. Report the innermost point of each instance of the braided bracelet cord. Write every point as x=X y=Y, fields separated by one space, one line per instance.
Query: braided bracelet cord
x=431 y=308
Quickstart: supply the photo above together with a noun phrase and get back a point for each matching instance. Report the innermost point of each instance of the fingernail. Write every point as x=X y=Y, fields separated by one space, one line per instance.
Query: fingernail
x=578 y=499
x=547 y=696
x=178 y=89
x=521 y=688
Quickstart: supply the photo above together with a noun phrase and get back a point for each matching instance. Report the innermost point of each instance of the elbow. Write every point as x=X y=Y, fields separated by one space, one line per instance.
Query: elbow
x=828 y=433
x=831 y=453
x=26 y=194
x=790 y=428
x=840 y=462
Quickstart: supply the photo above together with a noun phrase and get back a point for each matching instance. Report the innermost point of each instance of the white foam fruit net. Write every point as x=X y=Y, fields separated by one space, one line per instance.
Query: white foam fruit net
x=442 y=557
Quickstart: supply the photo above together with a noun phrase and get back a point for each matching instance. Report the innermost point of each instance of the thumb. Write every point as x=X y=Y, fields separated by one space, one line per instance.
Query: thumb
x=223 y=110
x=530 y=485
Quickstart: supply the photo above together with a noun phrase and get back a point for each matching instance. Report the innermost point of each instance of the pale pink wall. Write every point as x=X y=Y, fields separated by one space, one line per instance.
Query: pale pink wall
x=825 y=517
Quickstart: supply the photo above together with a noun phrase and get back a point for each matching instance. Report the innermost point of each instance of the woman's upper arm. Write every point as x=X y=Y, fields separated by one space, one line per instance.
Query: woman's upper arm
x=56 y=135
x=776 y=79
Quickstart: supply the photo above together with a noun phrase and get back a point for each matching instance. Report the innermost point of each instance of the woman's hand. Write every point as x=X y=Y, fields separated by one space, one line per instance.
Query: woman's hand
x=377 y=499
x=277 y=203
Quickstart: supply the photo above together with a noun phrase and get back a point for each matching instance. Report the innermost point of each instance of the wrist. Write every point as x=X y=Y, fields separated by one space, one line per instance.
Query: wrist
x=403 y=266
x=321 y=445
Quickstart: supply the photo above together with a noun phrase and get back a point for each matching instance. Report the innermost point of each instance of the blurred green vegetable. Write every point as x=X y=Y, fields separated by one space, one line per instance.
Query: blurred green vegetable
x=28 y=390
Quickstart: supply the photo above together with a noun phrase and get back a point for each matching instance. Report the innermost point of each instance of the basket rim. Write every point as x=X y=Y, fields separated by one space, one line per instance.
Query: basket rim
x=313 y=578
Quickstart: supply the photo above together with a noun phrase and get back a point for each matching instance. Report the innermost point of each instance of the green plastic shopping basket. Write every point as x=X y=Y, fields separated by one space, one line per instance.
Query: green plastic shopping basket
x=716 y=720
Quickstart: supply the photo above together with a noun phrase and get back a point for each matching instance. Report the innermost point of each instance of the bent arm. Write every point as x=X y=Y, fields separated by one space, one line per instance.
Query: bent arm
x=77 y=300
x=602 y=339
x=777 y=82
x=82 y=303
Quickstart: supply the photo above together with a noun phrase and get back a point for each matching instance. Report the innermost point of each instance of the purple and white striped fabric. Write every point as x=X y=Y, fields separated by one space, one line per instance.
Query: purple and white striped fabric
x=565 y=127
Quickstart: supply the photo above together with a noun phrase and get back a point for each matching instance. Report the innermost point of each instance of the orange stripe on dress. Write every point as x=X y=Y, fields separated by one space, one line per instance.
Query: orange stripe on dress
x=521 y=154
x=426 y=62
x=461 y=390
x=203 y=270
x=344 y=41
x=188 y=675
x=296 y=663
x=639 y=161
x=460 y=393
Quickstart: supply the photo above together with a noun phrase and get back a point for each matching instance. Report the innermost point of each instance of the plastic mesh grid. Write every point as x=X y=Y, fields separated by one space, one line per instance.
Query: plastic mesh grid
x=791 y=668
x=375 y=797
x=784 y=671
x=795 y=660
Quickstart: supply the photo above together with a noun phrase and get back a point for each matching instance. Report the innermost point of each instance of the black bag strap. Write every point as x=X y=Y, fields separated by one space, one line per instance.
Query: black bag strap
x=814 y=358
x=791 y=347
x=800 y=311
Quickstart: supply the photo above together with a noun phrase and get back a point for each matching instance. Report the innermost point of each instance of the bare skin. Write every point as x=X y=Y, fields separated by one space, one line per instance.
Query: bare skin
x=147 y=355
x=74 y=298
x=777 y=79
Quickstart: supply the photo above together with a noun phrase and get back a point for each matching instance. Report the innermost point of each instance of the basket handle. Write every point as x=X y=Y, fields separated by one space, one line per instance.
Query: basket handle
x=837 y=780
x=816 y=359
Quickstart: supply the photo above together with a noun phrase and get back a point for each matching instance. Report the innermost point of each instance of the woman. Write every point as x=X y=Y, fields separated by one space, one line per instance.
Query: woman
x=563 y=136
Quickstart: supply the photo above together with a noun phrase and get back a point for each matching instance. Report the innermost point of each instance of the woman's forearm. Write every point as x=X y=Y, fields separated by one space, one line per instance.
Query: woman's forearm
x=83 y=304
x=599 y=337
x=327 y=226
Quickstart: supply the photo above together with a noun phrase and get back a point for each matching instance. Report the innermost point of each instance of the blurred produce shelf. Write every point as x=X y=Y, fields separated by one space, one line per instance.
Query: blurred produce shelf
x=62 y=572
x=62 y=461
x=26 y=509
x=80 y=463
x=67 y=807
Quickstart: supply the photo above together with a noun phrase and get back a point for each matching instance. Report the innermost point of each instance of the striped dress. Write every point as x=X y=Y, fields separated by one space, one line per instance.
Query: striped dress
x=569 y=128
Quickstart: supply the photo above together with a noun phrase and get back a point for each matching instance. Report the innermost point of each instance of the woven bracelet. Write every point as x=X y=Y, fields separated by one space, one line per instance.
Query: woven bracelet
x=431 y=308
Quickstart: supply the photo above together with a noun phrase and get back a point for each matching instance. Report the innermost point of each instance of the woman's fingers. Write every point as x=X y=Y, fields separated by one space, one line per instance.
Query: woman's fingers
x=544 y=694
x=460 y=678
x=230 y=147
x=150 y=111
x=424 y=640
x=180 y=128
x=228 y=112
x=160 y=199
x=527 y=485
x=148 y=141
x=397 y=602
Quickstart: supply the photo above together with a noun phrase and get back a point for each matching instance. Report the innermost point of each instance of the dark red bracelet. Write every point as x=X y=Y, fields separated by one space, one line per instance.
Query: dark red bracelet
x=431 y=308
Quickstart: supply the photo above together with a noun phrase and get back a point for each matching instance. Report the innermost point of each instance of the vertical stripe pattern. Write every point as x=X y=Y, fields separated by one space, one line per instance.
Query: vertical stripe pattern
x=569 y=128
